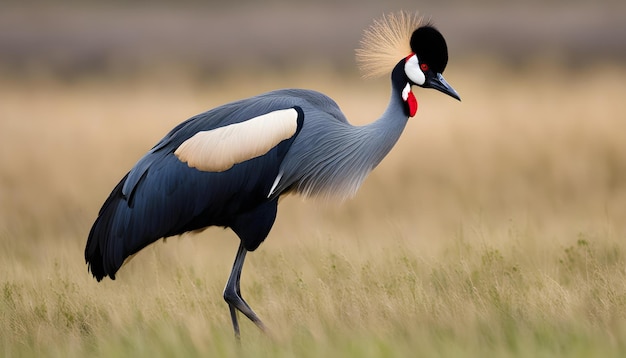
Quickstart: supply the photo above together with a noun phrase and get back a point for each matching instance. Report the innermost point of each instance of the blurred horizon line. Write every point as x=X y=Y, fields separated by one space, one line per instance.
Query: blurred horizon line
x=67 y=38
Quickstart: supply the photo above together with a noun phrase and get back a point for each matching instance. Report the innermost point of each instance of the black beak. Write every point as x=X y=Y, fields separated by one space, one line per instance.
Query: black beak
x=439 y=83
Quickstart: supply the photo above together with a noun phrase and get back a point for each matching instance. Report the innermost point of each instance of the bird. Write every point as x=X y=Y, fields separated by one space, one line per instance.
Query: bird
x=229 y=166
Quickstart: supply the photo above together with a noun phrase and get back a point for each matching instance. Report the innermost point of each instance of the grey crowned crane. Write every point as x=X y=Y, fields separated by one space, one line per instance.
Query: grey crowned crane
x=229 y=166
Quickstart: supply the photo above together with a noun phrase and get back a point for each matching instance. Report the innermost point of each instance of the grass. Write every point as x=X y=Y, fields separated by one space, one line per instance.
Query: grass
x=494 y=228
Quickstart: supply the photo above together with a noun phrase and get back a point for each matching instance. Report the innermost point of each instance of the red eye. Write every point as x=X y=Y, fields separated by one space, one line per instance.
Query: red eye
x=424 y=67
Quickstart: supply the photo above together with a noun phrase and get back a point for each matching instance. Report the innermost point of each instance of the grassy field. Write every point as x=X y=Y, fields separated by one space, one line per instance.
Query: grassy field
x=496 y=227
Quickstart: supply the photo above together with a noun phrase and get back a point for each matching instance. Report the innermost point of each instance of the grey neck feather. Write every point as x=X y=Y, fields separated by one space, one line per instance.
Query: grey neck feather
x=333 y=159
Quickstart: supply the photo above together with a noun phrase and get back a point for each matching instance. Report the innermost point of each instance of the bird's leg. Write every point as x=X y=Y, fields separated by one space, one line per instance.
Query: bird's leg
x=233 y=317
x=232 y=294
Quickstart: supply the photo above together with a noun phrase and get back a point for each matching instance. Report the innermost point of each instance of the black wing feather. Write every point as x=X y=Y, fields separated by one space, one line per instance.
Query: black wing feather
x=161 y=196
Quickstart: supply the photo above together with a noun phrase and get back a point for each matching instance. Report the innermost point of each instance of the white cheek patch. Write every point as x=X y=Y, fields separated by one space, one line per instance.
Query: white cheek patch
x=406 y=91
x=413 y=71
x=219 y=149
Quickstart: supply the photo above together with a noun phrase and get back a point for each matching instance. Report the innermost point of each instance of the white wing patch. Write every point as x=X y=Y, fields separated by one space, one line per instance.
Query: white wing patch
x=219 y=149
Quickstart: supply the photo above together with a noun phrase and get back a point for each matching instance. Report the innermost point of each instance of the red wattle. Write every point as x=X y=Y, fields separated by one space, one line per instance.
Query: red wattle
x=411 y=101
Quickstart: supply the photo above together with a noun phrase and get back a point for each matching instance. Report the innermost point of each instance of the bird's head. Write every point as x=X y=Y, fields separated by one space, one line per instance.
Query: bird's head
x=420 y=48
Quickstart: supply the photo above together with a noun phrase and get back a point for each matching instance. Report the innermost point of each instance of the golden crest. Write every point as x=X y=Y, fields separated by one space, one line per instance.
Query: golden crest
x=386 y=42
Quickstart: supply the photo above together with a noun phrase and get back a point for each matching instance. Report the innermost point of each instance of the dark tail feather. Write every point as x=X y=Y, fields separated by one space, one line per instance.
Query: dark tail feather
x=99 y=261
x=94 y=256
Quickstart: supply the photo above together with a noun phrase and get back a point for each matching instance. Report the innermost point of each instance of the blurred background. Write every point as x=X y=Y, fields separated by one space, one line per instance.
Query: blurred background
x=499 y=216
x=87 y=87
x=70 y=38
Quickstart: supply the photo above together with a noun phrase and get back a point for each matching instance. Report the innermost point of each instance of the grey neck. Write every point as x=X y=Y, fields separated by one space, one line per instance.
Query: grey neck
x=332 y=158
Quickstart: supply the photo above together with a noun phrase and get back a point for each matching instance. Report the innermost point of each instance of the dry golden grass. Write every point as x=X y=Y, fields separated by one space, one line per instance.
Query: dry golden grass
x=494 y=228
